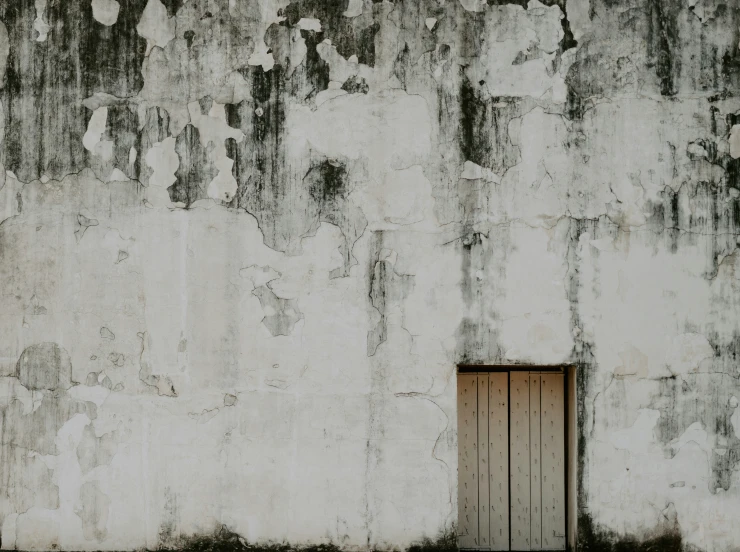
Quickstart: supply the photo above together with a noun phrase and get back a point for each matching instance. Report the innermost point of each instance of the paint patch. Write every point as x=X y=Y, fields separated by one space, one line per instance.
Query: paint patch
x=105 y=12
x=45 y=366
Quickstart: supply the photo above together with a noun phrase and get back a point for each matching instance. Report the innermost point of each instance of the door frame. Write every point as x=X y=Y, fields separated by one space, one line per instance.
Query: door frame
x=571 y=435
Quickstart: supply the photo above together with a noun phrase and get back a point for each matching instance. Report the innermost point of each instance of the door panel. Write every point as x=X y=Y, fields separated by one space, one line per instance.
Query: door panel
x=519 y=460
x=498 y=431
x=553 y=462
x=511 y=461
x=483 y=483
x=467 y=453
x=534 y=461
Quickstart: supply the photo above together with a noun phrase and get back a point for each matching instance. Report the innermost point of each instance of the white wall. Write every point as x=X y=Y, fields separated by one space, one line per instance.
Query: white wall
x=235 y=294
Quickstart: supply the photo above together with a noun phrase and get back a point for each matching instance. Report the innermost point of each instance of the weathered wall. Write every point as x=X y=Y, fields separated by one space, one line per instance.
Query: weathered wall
x=244 y=244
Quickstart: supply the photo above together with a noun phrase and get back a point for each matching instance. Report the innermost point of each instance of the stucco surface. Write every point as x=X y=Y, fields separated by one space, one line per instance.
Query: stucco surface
x=245 y=243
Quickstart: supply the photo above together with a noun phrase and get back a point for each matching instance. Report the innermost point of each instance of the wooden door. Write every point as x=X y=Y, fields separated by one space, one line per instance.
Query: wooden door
x=511 y=454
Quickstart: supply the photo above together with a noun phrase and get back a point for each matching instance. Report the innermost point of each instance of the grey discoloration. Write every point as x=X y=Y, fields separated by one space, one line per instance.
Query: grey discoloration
x=388 y=289
x=328 y=185
x=96 y=451
x=93 y=511
x=117 y=359
x=281 y=315
x=355 y=85
x=46 y=82
x=45 y=366
x=83 y=223
x=28 y=432
x=162 y=385
x=350 y=35
x=196 y=170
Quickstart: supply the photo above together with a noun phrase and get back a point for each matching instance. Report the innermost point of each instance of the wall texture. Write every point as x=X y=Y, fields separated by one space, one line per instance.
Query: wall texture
x=244 y=244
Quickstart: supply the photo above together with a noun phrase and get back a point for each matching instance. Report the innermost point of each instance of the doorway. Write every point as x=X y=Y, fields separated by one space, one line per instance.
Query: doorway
x=512 y=459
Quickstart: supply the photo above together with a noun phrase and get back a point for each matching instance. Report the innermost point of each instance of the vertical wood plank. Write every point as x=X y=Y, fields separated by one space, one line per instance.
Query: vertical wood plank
x=498 y=431
x=519 y=461
x=483 y=470
x=534 y=461
x=553 y=462
x=467 y=460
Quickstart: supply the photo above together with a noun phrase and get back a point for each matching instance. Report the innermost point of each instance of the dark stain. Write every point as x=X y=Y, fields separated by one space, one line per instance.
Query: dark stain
x=484 y=128
x=312 y=75
x=401 y=64
x=477 y=334
x=224 y=540
x=386 y=286
x=196 y=169
x=172 y=6
x=569 y=40
x=583 y=359
x=704 y=398
x=45 y=366
x=47 y=81
x=665 y=538
x=703 y=212
x=287 y=205
x=285 y=313
x=170 y=517
x=93 y=451
x=122 y=129
x=25 y=481
x=328 y=186
x=664 y=43
x=327 y=181
x=205 y=104
x=350 y=35
x=263 y=177
x=156 y=129
x=354 y=85
x=446 y=541
x=94 y=507
x=596 y=73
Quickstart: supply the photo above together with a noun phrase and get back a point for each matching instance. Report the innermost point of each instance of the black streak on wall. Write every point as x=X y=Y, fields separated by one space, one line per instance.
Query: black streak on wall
x=47 y=81
x=663 y=45
x=262 y=175
x=25 y=481
x=195 y=171
x=484 y=128
x=351 y=36
x=328 y=185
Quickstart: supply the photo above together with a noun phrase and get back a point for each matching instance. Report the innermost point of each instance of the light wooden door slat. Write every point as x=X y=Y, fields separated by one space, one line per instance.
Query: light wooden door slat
x=498 y=431
x=519 y=460
x=483 y=471
x=467 y=447
x=534 y=461
x=553 y=462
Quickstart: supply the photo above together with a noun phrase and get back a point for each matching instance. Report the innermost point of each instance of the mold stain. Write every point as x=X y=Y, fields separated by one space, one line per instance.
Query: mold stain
x=29 y=427
x=387 y=288
x=47 y=81
x=195 y=171
x=350 y=36
x=665 y=538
